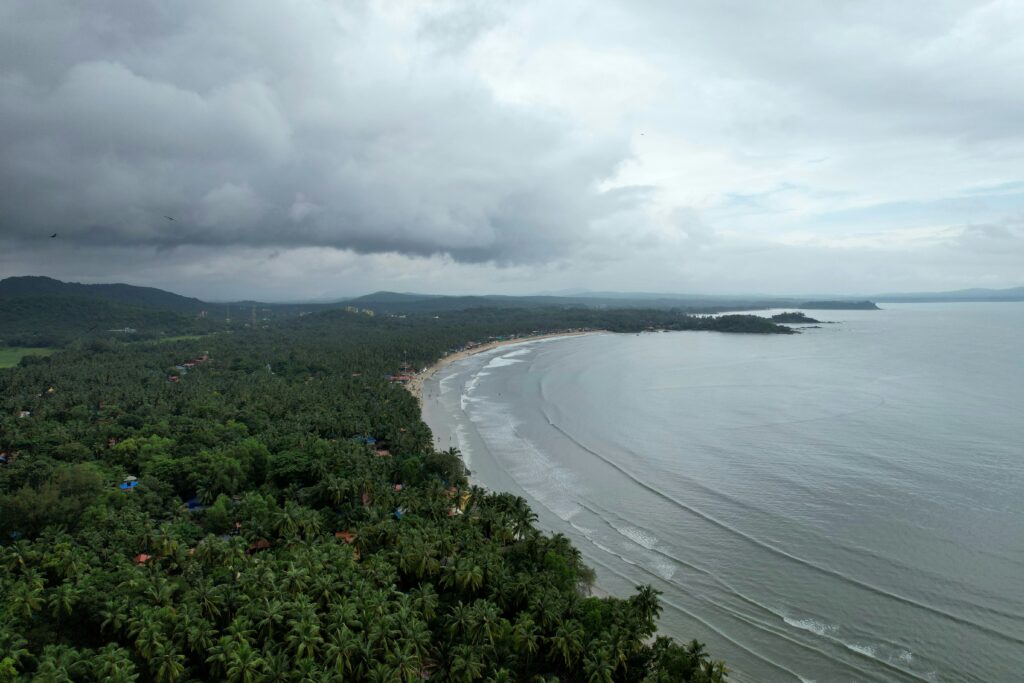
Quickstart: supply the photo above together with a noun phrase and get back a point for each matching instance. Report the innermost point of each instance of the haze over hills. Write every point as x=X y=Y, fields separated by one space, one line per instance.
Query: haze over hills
x=391 y=302
x=973 y=294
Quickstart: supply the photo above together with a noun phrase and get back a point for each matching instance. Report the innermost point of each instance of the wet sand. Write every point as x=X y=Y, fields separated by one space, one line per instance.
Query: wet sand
x=415 y=385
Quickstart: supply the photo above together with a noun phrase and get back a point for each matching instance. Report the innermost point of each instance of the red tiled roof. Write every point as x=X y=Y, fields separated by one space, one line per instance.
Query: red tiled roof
x=261 y=544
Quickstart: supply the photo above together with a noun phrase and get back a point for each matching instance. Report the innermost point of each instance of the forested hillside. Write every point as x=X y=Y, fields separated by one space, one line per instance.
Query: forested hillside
x=266 y=506
x=128 y=295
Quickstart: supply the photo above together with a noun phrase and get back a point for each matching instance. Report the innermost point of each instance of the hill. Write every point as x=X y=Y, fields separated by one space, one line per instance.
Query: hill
x=131 y=295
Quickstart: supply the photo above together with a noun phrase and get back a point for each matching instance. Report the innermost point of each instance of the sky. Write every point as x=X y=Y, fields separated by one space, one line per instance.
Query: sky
x=315 y=149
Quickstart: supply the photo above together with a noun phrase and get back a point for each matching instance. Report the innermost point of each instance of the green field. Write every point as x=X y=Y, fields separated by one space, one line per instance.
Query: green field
x=10 y=355
x=180 y=338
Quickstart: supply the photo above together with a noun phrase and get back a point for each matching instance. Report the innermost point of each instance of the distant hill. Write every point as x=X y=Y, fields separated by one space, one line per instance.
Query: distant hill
x=391 y=302
x=130 y=295
x=841 y=305
x=392 y=298
x=975 y=294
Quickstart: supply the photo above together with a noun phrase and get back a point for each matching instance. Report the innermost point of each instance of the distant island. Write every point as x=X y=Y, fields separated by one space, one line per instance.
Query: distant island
x=794 y=317
x=839 y=305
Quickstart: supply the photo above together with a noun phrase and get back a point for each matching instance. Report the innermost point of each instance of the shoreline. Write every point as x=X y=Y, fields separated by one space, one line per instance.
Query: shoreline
x=415 y=385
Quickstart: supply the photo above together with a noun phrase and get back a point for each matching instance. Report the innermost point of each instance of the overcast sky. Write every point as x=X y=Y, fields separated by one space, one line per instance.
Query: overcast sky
x=328 y=148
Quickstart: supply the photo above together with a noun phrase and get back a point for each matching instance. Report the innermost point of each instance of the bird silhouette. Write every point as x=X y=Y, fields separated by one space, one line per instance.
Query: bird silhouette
x=53 y=235
x=168 y=218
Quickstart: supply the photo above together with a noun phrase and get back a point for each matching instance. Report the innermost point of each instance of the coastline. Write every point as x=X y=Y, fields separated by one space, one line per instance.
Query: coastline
x=415 y=385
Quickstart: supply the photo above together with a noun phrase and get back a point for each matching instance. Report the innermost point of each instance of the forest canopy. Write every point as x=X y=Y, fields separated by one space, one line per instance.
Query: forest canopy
x=267 y=505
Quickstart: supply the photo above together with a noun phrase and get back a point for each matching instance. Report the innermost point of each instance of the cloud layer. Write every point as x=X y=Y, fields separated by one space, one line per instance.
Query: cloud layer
x=458 y=145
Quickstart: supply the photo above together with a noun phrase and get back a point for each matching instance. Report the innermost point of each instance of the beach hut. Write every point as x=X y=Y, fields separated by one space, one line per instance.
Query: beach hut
x=346 y=536
x=262 y=544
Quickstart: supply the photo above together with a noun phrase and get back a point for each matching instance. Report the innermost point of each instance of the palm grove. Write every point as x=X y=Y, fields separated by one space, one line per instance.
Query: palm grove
x=277 y=513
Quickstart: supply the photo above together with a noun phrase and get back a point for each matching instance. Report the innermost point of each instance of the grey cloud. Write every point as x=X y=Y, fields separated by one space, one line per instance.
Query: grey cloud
x=994 y=242
x=484 y=141
x=338 y=145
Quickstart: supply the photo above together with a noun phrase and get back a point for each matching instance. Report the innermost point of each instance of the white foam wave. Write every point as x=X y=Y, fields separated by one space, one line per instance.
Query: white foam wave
x=811 y=625
x=866 y=650
x=663 y=568
x=543 y=479
x=639 y=536
x=501 y=362
x=462 y=439
x=469 y=388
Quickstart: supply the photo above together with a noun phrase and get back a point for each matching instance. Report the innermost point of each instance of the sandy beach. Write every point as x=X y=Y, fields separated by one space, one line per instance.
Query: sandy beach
x=415 y=385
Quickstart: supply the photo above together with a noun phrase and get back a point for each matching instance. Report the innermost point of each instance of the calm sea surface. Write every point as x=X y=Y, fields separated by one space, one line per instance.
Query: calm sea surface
x=842 y=505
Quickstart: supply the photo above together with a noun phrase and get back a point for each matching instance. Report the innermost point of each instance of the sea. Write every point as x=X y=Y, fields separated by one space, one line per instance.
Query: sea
x=846 y=504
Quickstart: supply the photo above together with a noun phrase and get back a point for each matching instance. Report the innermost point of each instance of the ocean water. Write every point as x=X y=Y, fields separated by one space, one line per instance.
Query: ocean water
x=842 y=505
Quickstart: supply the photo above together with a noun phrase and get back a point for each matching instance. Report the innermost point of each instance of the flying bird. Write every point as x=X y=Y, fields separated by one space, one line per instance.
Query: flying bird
x=53 y=235
x=169 y=218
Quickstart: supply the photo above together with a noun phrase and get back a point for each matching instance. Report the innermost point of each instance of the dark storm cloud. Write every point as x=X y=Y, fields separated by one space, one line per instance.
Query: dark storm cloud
x=308 y=125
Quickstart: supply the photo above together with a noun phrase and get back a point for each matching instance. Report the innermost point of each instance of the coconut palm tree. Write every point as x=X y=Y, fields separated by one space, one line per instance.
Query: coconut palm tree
x=113 y=663
x=568 y=642
x=62 y=600
x=166 y=663
x=342 y=650
x=405 y=663
x=245 y=664
x=598 y=665
x=304 y=638
x=525 y=638
x=466 y=664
